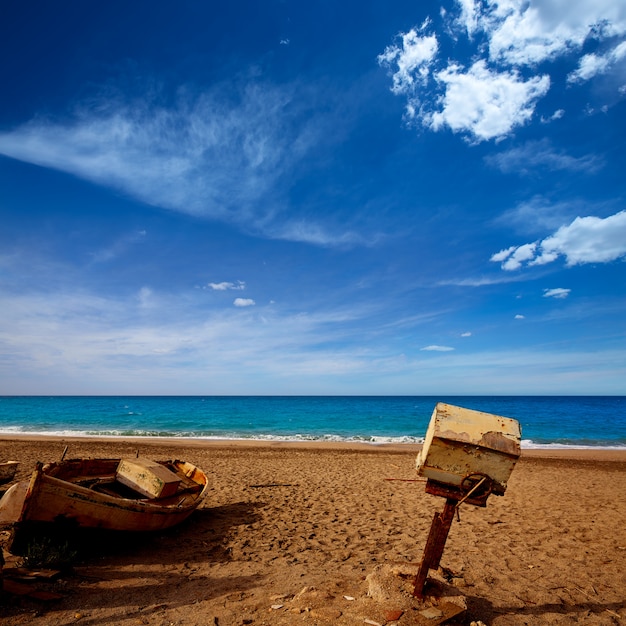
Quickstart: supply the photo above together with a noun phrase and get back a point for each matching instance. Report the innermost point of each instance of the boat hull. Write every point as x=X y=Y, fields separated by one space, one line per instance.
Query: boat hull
x=7 y=471
x=66 y=493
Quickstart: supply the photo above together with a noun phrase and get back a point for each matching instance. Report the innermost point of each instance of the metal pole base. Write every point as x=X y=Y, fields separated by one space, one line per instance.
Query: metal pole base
x=435 y=544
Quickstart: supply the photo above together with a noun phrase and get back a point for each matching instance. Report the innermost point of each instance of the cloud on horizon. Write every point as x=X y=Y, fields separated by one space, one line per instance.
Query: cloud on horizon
x=155 y=341
x=84 y=343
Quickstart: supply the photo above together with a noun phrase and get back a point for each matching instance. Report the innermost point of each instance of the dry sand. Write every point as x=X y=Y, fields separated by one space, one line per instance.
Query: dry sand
x=290 y=533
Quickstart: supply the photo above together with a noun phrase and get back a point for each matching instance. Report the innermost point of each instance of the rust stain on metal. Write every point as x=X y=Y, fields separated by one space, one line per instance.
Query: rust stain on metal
x=435 y=545
x=497 y=441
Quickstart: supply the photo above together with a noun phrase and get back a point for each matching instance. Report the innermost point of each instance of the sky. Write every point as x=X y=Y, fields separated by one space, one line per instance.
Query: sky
x=272 y=197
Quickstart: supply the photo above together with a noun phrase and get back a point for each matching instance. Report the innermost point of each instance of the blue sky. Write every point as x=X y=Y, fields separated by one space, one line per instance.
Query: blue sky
x=277 y=197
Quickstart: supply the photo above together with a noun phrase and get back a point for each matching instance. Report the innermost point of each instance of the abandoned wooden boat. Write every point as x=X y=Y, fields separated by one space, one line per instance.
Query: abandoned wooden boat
x=109 y=494
x=7 y=471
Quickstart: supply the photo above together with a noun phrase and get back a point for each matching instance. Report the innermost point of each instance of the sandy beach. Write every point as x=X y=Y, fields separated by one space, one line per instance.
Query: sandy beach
x=295 y=533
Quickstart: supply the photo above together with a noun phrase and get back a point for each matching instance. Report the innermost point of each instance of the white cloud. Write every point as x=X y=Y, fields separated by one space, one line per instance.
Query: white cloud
x=502 y=255
x=468 y=334
x=469 y=17
x=436 y=348
x=585 y=240
x=559 y=293
x=226 y=286
x=591 y=65
x=243 y=302
x=527 y=33
x=499 y=92
x=486 y=104
x=520 y=317
x=513 y=258
x=557 y=115
x=412 y=58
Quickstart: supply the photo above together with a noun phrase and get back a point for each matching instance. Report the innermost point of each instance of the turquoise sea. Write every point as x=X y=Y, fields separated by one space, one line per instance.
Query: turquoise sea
x=550 y=421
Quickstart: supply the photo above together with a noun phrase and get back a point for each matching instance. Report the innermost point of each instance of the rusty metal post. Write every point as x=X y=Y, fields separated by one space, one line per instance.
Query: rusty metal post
x=435 y=544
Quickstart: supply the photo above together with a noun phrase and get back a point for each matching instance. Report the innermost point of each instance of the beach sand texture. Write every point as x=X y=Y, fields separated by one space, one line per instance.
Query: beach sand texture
x=289 y=534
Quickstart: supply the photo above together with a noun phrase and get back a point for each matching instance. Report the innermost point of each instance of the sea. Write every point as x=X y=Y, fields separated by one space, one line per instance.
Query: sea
x=546 y=421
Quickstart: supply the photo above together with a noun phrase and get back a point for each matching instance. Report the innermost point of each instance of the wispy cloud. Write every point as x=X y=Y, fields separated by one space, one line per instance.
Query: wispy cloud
x=539 y=215
x=535 y=156
x=118 y=247
x=227 y=286
x=557 y=115
x=145 y=297
x=559 y=293
x=436 y=348
x=78 y=342
x=155 y=342
x=481 y=281
x=585 y=240
x=243 y=302
x=220 y=155
x=305 y=231
x=499 y=91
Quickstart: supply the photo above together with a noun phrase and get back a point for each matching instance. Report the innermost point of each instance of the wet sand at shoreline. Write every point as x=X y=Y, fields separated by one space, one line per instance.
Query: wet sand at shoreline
x=289 y=532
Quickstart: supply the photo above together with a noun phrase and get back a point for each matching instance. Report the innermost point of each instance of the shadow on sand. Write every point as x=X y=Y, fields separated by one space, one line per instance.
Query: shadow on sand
x=151 y=569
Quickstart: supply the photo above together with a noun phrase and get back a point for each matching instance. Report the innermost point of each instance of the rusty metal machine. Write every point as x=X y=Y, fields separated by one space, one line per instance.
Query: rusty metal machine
x=467 y=455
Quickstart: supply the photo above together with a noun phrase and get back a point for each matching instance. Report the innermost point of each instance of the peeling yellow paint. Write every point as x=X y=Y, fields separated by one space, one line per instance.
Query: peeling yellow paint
x=461 y=441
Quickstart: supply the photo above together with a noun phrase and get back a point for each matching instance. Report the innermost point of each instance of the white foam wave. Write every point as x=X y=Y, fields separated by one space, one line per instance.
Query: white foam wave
x=527 y=444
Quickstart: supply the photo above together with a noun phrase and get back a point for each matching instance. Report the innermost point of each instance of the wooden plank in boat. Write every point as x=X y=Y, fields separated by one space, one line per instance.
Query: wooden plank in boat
x=187 y=485
x=147 y=477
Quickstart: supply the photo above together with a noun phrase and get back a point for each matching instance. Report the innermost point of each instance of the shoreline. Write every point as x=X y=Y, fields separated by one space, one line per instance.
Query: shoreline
x=571 y=453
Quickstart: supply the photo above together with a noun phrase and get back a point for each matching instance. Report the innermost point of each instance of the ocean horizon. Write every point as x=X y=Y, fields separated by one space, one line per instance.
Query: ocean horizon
x=546 y=421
